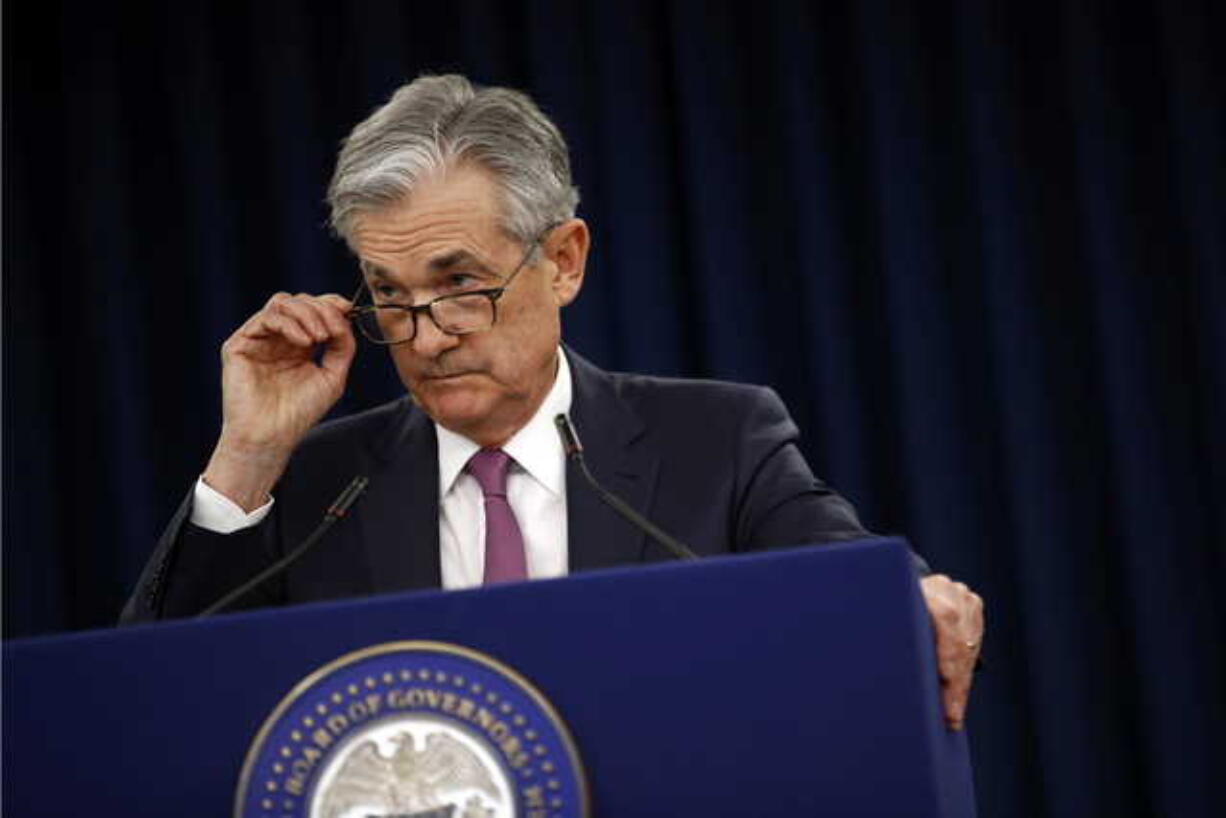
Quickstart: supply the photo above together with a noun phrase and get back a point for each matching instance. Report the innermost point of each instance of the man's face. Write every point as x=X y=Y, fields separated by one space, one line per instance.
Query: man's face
x=446 y=239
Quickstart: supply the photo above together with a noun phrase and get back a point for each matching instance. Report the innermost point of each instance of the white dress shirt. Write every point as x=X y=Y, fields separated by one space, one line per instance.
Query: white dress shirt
x=536 y=490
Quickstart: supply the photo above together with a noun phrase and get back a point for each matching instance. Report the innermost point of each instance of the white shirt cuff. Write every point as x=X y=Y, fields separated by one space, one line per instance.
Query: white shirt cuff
x=214 y=511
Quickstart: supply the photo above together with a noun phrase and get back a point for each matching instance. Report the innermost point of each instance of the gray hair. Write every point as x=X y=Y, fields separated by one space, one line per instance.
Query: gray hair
x=435 y=121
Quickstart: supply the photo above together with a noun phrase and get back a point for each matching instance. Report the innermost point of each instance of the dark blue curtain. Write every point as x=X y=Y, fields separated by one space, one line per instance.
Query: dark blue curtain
x=978 y=248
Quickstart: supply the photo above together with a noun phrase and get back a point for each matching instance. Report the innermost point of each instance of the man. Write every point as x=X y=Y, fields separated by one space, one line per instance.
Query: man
x=459 y=206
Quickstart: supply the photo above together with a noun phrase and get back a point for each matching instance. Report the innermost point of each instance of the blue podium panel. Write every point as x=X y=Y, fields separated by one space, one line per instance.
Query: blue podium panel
x=797 y=682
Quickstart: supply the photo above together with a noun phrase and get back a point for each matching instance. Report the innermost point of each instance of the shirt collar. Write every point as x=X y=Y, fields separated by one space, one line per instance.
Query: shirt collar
x=535 y=447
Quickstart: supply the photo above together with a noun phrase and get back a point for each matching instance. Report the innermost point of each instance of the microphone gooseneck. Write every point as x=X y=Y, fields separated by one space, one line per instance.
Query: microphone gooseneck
x=574 y=452
x=338 y=509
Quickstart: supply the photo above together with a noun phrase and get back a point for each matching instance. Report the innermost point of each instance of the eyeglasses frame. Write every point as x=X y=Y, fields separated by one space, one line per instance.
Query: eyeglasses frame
x=414 y=310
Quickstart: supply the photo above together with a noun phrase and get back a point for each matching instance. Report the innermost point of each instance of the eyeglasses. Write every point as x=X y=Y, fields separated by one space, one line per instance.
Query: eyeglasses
x=455 y=314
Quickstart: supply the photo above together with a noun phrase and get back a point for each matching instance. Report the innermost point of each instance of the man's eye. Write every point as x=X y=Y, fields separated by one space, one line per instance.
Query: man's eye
x=384 y=292
x=462 y=281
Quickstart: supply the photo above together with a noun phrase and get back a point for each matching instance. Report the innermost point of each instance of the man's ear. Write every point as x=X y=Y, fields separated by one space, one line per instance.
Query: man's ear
x=567 y=246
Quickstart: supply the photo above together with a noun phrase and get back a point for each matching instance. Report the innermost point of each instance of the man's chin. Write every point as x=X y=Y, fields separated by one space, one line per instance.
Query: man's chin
x=455 y=406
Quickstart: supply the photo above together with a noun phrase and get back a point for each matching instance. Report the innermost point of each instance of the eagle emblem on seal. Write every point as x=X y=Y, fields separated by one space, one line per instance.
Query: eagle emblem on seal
x=409 y=782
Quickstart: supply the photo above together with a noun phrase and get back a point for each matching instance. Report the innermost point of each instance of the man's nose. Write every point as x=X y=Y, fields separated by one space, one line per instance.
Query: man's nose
x=431 y=341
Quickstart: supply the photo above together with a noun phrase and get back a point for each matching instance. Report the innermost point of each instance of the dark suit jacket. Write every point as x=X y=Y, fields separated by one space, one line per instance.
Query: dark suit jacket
x=714 y=464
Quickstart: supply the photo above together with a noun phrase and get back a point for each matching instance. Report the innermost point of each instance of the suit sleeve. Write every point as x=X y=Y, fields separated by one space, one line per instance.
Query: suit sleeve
x=781 y=502
x=191 y=568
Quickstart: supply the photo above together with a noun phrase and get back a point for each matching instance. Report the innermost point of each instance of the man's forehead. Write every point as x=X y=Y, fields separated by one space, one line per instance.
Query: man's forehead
x=435 y=241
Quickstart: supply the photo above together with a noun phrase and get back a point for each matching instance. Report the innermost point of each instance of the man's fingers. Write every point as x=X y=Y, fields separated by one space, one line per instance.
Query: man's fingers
x=957 y=622
x=327 y=314
x=951 y=658
x=306 y=321
x=954 y=695
x=332 y=311
x=307 y=312
x=303 y=320
x=266 y=325
x=956 y=655
x=338 y=354
x=956 y=664
x=329 y=310
x=342 y=305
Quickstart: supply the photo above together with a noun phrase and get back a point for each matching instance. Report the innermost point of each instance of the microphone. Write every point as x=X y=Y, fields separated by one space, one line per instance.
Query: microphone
x=335 y=511
x=574 y=451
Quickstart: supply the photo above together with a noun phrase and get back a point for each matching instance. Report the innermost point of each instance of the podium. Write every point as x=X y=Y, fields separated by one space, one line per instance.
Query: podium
x=789 y=682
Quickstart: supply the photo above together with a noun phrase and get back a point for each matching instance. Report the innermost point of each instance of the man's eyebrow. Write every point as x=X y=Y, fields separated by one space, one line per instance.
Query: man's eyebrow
x=374 y=270
x=436 y=265
x=456 y=258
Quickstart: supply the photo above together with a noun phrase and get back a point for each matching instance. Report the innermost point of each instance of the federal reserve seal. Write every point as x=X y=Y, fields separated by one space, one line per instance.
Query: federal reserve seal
x=413 y=730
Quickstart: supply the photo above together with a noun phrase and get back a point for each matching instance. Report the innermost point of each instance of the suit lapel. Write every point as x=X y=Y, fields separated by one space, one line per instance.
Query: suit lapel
x=609 y=430
x=399 y=514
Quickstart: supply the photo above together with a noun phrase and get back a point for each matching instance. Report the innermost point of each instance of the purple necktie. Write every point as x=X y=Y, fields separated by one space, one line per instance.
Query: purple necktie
x=504 y=545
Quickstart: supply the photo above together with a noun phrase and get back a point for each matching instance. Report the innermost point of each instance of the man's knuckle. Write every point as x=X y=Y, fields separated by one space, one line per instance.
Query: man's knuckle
x=938 y=603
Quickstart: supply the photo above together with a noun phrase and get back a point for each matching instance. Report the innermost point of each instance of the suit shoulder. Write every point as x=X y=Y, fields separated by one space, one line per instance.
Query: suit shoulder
x=632 y=385
x=705 y=400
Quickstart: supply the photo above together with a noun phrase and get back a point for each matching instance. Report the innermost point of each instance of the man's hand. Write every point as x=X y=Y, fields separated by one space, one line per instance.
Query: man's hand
x=273 y=391
x=957 y=624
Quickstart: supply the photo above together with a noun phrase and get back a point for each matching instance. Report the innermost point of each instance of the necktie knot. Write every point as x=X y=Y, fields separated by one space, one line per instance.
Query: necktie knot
x=489 y=467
